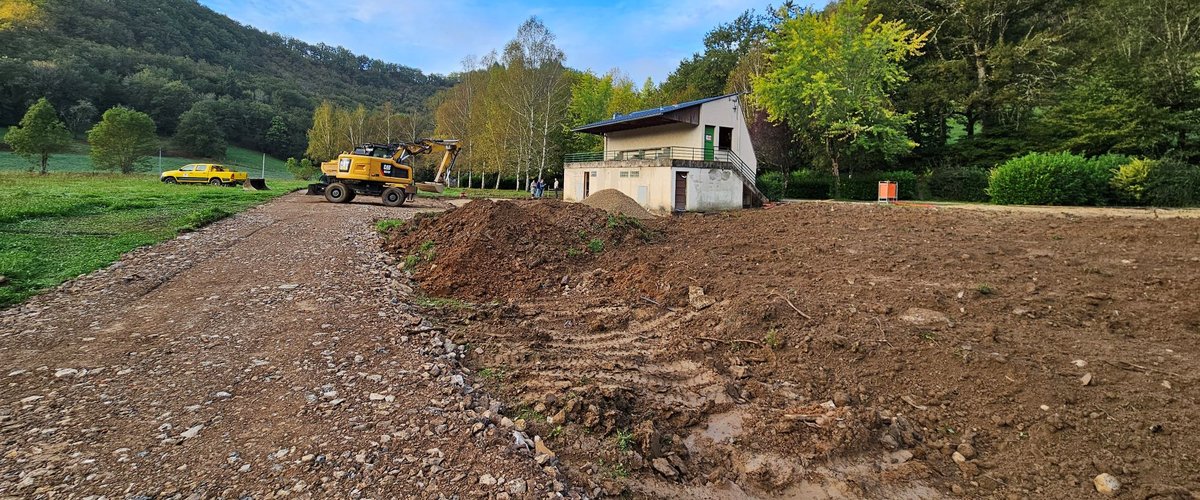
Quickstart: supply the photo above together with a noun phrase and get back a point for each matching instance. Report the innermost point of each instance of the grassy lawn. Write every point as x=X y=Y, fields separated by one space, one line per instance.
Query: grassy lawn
x=451 y=192
x=76 y=160
x=58 y=226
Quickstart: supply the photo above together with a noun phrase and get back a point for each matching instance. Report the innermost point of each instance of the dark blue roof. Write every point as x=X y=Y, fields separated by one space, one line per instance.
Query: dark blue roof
x=650 y=117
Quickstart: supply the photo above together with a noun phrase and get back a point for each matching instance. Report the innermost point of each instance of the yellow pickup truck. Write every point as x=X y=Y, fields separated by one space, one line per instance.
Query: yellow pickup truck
x=208 y=173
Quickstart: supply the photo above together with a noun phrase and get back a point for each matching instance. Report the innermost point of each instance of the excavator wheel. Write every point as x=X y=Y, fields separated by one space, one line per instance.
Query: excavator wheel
x=393 y=197
x=338 y=193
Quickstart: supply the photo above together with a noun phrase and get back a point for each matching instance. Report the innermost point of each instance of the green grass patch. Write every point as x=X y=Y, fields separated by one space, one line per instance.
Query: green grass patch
x=475 y=194
x=596 y=245
x=58 y=226
x=387 y=225
x=440 y=302
x=76 y=160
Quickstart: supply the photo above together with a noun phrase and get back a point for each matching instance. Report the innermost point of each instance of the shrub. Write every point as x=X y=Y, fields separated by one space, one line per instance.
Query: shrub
x=959 y=184
x=1129 y=181
x=865 y=186
x=1050 y=179
x=1173 y=183
x=810 y=185
x=771 y=184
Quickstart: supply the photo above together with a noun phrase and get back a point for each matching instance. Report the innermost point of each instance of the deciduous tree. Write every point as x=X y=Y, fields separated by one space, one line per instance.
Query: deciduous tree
x=123 y=140
x=39 y=135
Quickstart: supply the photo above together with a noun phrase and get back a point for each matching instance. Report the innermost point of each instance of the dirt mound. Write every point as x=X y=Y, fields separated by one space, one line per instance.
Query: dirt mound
x=490 y=250
x=877 y=351
x=616 y=202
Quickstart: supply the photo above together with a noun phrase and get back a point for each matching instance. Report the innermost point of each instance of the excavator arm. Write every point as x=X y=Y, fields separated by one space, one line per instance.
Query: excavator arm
x=450 y=150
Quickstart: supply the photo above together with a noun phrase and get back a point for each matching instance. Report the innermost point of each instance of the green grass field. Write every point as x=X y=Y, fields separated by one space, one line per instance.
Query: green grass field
x=76 y=160
x=481 y=193
x=58 y=226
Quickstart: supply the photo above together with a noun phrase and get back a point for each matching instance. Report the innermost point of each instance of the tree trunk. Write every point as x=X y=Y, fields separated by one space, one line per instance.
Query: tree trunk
x=45 y=159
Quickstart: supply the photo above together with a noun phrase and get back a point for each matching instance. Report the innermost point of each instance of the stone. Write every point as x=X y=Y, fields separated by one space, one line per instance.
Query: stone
x=924 y=317
x=697 y=299
x=967 y=450
x=1106 y=484
x=1086 y=379
x=289 y=286
x=65 y=372
x=540 y=447
x=222 y=395
x=517 y=487
x=487 y=480
x=1166 y=384
x=244 y=468
x=191 y=432
x=958 y=458
x=1079 y=363
x=519 y=424
x=663 y=466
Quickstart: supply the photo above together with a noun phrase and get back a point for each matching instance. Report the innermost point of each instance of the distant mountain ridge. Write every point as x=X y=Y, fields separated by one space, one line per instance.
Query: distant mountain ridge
x=162 y=56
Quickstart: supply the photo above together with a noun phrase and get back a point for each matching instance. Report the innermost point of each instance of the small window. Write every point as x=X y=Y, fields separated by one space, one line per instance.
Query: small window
x=624 y=173
x=187 y=168
x=218 y=168
x=201 y=168
x=635 y=173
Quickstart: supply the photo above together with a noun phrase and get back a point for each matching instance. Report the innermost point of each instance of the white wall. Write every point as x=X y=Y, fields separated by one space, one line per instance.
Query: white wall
x=659 y=136
x=708 y=189
x=727 y=112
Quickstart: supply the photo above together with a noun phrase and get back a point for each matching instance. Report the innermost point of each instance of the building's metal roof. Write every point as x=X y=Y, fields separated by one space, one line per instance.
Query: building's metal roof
x=645 y=117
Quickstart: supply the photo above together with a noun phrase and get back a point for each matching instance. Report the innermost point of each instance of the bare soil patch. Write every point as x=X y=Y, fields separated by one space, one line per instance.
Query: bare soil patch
x=616 y=202
x=836 y=350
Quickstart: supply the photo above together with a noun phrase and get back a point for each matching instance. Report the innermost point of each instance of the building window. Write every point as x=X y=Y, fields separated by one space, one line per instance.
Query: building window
x=624 y=173
x=635 y=173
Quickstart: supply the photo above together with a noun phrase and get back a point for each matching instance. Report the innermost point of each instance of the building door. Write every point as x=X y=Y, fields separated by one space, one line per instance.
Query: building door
x=680 y=191
x=708 y=142
x=587 y=184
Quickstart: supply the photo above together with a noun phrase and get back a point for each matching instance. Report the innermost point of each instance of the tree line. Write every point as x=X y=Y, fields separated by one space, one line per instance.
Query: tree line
x=192 y=71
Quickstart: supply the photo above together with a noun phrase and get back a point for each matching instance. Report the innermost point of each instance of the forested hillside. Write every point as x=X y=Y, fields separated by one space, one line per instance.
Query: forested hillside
x=163 y=57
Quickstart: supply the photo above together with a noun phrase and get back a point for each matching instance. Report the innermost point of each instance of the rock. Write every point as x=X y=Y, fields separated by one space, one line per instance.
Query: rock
x=487 y=480
x=30 y=399
x=1166 y=384
x=1045 y=407
x=967 y=450
x=222 y=395
x=65 y=372
x=899 y=457
x=519 y=424
x=958 y=457
x=1106 y=484
x=663 y=466
x=540 y=448
x=1079 y=363
x=191 y=432
x=3 y=280
x=517 y=487
x=697 y=299
x=289 y=286
x=375 y=396
x=244 y=468
x=924 y=317
x=1086 y=379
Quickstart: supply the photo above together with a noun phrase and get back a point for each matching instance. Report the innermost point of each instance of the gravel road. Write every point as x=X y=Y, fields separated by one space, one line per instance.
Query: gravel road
x=271 y=354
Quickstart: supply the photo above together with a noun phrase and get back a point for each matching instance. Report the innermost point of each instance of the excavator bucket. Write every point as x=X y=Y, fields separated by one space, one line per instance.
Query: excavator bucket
x=255 y=185
x=431 y=187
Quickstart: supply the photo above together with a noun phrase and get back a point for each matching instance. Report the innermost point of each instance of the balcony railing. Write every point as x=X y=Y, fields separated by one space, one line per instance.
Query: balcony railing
x=671 y=152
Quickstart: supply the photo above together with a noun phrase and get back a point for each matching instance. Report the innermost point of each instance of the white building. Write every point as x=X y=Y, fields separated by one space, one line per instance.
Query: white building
x=691 y=156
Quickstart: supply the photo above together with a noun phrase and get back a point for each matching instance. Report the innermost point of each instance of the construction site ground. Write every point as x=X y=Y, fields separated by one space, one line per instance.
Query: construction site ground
x=537 y=348
x=829 y=350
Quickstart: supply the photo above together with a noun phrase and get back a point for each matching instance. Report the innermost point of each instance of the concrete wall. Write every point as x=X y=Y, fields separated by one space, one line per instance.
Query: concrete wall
x=653 y=186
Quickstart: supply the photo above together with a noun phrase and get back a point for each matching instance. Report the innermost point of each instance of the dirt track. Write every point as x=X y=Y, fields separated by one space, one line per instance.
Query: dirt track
x=837 y=350
x=269 y=354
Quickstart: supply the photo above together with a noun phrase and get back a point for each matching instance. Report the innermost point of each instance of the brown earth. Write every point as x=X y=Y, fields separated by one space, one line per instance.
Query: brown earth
x=616 y=202
x=836 y=350
x=275 y=353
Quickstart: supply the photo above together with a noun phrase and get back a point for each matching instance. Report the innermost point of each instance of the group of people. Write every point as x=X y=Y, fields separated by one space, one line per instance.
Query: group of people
x=539 y=187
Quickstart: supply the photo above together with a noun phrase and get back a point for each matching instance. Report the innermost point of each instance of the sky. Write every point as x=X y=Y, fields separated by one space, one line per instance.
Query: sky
x=645 y=38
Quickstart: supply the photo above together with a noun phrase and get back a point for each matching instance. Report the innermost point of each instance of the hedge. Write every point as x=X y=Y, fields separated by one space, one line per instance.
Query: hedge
x=959 y=184
x=1051 y=179
x=1172 y=183
x=865 y=186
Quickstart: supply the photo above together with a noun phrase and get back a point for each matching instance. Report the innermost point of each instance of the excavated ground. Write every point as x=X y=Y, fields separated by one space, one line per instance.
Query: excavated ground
x=833 y=350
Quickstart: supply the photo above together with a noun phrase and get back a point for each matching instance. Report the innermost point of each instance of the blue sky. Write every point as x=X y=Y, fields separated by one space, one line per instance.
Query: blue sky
x=642 y=38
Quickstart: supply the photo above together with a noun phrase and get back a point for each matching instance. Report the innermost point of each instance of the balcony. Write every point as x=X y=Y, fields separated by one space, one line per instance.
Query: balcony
x=720 y=156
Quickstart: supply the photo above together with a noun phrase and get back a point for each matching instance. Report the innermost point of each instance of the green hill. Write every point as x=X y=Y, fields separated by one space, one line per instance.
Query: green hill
x=163 y=56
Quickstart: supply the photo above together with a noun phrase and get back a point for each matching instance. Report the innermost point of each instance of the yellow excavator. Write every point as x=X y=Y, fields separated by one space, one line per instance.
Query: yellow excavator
x=384 y=170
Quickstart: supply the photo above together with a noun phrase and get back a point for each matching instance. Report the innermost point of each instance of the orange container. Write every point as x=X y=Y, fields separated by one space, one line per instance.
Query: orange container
x=888 y=191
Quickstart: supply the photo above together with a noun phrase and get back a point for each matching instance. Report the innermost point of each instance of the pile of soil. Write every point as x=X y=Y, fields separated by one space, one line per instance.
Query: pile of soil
x=489 y=250
x=818 y=350
x=616 y=202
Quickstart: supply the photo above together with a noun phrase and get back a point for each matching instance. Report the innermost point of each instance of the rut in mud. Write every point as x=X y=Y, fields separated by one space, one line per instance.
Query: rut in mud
x=836 y=350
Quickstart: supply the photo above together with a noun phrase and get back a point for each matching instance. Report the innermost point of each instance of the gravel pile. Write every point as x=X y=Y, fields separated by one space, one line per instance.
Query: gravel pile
x=616 y=202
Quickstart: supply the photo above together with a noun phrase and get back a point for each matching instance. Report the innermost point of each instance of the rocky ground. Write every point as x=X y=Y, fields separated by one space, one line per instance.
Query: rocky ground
x=276 y=353
x=829 y=350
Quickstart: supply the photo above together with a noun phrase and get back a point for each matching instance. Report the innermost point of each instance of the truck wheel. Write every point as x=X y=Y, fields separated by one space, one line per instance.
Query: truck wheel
x=351 y=196
x=338 y=193
x=215 y=181
x=393 y=197
x=170 y=180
